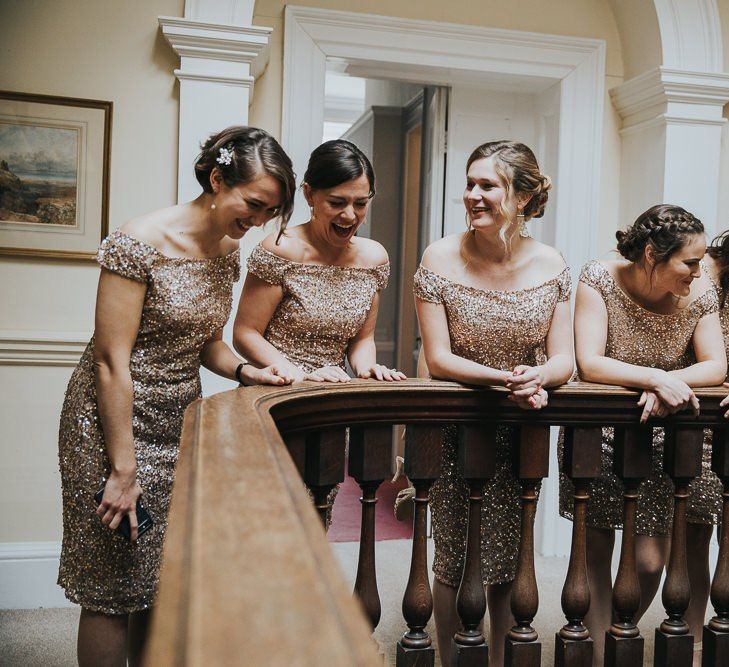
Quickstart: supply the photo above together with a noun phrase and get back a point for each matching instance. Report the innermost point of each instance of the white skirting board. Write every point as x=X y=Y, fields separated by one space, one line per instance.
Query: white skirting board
x=28 y=572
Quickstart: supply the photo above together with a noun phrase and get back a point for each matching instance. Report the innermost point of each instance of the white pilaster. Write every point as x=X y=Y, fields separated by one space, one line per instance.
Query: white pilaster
x=671 y=134
x=221 y=54
x=218 y=66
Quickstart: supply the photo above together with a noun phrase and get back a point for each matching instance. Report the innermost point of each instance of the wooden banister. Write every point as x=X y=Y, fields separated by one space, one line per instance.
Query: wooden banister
x=247 y=572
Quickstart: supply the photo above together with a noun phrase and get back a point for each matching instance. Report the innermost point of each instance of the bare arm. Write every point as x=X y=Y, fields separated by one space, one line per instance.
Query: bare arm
x=442 y=363
x=256 y=307
x=217 y=357
x=710 y=366
x=119 y=304
x=362 y=353
x=591 y=325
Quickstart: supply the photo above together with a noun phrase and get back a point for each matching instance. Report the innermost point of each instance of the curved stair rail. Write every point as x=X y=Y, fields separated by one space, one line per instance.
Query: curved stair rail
x=248 y=576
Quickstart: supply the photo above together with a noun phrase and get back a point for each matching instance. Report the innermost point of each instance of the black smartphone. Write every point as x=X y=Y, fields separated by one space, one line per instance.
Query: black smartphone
x=144 y=521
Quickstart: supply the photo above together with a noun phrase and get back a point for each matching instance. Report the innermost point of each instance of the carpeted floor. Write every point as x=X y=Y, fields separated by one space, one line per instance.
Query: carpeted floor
x=347 y=513
x=46 y=637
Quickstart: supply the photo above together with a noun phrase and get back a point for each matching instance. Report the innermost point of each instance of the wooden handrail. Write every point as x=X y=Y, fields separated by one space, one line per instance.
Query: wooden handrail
x=247 y=574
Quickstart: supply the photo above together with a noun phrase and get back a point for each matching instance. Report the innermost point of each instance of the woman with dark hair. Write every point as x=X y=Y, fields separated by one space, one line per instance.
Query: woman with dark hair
x=164 y=295
x=493 y=306
x=649 y=321
x=311 y=294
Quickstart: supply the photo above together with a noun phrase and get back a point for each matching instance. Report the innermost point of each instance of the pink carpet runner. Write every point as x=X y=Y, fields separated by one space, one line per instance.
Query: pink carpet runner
x=347 y=514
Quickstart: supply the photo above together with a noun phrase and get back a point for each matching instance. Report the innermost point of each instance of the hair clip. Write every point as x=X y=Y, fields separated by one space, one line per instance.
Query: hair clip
x=226 y=155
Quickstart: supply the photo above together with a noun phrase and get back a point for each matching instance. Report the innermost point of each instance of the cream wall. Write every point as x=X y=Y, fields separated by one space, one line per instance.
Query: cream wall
x=578 y=18
x=98 y=49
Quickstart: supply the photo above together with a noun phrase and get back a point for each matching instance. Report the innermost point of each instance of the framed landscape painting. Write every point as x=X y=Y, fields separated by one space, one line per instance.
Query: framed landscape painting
x=54 y=175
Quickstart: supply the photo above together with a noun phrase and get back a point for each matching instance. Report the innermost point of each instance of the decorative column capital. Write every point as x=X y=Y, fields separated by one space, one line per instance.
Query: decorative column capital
x=665 y=95
x=219 y=53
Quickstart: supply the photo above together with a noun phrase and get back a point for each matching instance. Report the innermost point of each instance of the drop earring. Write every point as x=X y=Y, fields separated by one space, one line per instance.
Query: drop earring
x=523 y=231
x=311 y=213
x=213 y=207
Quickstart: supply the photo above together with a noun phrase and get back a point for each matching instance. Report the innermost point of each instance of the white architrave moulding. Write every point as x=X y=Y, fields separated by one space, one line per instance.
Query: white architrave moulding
x=218 y=66
x=672 y=124
x=439 y=53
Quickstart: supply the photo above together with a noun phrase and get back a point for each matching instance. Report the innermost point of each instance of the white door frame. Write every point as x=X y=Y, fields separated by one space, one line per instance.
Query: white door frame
x=440 y=53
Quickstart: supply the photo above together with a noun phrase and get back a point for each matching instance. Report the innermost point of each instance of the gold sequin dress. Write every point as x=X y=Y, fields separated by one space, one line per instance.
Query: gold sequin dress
x=643 y=338
x=187 y=301
x=322 y=309
x=499 y=329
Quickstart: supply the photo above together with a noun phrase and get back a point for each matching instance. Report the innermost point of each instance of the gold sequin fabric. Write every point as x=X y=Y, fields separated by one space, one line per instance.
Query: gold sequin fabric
x=186 y=302
x=322 y=309
x=638 y=336
x=499 y=329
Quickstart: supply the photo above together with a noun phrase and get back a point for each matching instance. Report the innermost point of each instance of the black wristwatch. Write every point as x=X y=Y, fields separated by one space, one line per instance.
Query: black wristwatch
x=237 y=373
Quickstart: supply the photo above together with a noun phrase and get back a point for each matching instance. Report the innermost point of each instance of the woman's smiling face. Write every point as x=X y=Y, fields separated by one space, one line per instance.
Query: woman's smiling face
x=485 y=196
x=338 y=212
x=246 y=205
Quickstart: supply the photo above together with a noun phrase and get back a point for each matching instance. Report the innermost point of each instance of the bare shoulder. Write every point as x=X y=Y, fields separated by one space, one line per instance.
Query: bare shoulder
x=443 y=254
x=288 y=246
x=550 y=259
x=369 y=252
x=150 y=228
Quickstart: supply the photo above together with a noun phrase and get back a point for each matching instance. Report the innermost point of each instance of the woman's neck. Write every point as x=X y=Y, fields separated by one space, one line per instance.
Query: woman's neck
x=488 y=245
x=325 y=251
x=199 y=226
x=636 y=279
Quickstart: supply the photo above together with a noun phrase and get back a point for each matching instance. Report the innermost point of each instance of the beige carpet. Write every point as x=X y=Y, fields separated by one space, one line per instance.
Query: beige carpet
x=46 y=637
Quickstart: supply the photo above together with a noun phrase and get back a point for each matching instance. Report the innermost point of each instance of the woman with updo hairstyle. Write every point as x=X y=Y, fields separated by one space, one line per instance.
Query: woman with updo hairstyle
x=310 y=299
x=493 y=306
x=649 y=321
x=164 y=295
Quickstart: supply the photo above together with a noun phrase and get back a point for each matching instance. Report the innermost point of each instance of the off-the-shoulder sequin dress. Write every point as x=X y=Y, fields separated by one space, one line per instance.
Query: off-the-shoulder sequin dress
x=643 y=338
x=186 y=302
x=500 y=330
x=322 y=309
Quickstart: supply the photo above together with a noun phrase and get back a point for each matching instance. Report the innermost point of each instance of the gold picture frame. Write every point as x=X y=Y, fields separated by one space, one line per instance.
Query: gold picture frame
x=55 y=157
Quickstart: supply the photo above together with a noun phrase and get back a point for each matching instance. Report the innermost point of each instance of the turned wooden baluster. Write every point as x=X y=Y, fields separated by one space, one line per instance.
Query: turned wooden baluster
x=370 y=462
x=531 y=464
x=581 y=463
x=633 y=450
x=716 y=631
x=324 y=466
x=423 y=455
x=477 y=463
x=681 y=462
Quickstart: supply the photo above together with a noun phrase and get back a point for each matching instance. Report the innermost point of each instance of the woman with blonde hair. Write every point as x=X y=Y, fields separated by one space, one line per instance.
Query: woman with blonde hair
x=493 y=307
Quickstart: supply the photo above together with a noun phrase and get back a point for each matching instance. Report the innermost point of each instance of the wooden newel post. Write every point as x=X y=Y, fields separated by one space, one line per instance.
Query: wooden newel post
x=423 y=456
x=477 y=463
x=633 y=450
x=531 y=464
x=324 y=466
x=716 y=631
x=370 y=462
x=581 y=463
x=681 y=462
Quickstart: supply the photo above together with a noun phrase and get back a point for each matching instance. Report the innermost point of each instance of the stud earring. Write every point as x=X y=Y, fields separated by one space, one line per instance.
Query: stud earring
x=213 y=207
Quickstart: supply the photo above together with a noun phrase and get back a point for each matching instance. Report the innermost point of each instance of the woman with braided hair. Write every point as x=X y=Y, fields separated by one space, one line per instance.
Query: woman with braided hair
x=649 y=321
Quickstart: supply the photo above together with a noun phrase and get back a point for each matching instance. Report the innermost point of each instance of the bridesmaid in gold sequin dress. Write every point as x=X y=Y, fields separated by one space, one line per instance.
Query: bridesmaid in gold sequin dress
x=311 y=294
x=493 y=306
x=649 y=321
x=164 y=296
